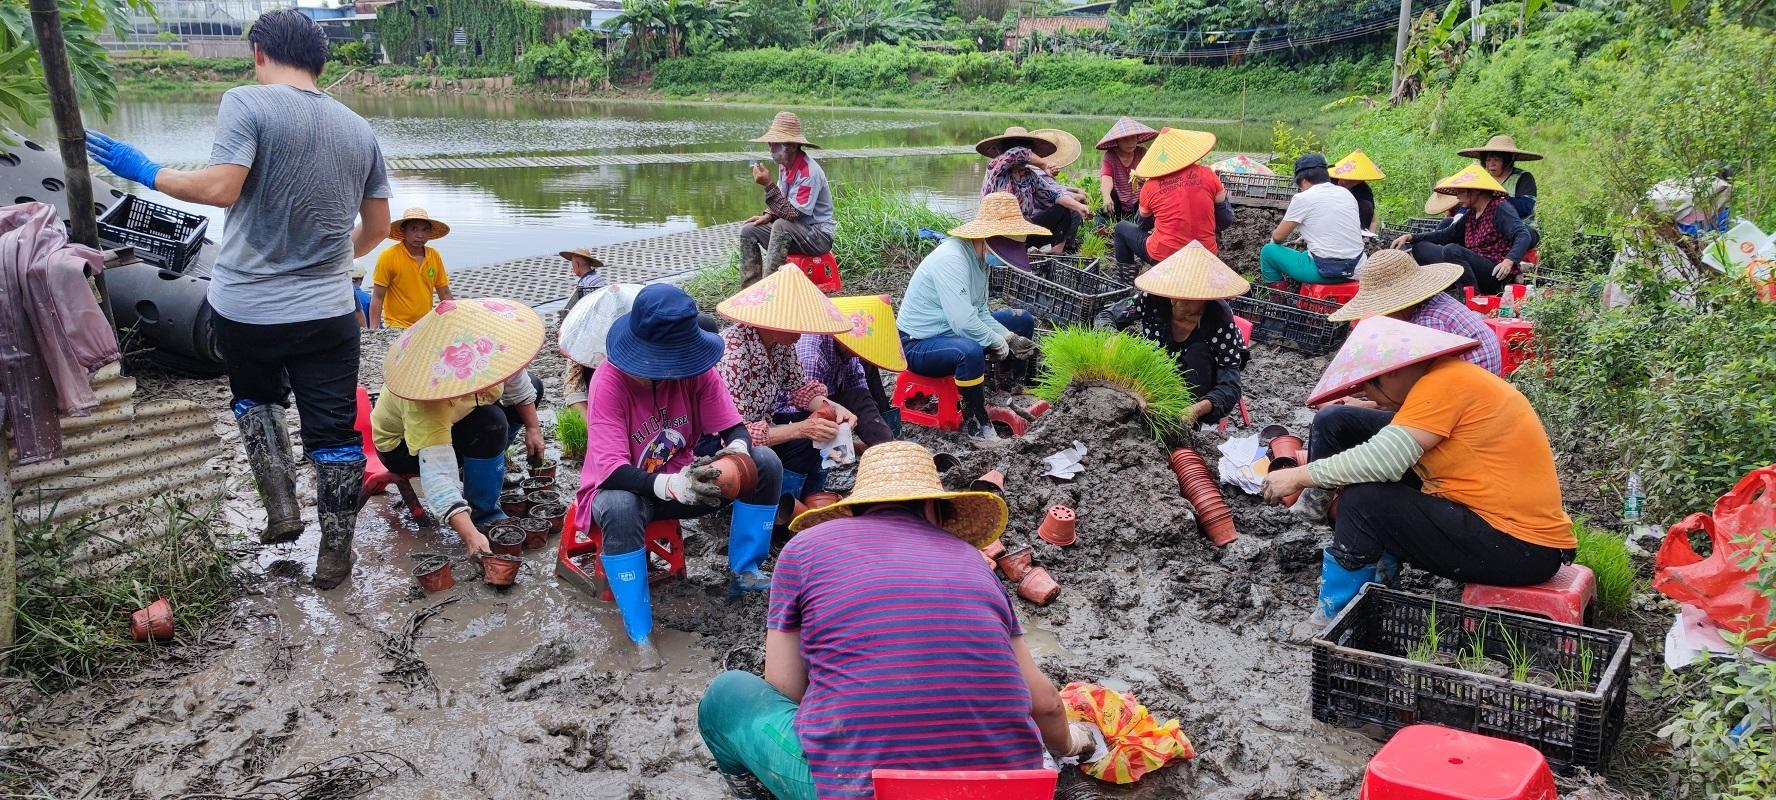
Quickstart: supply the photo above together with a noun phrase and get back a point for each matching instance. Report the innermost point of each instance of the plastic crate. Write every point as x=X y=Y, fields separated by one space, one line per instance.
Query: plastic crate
x=1363 y=678
x=1059 y=292
x=161 y=234
x=1417 y=225
x=1286 y=319
x=1274 y=191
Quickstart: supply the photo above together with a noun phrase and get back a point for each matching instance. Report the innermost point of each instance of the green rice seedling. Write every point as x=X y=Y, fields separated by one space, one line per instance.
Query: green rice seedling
x=1473 y=656
x=1429 y=644
x=1516 y=654
x=1134 y=364
x=1091 y=245
x=570 y=432
x=1577 y=677
x=1606 y=554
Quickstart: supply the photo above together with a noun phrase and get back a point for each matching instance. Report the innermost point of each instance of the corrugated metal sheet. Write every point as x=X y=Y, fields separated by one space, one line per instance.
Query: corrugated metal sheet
x=120 y=455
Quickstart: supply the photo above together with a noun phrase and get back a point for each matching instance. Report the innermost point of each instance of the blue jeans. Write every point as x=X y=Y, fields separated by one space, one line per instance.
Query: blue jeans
x=624 y=516
x=749 y=727
x=959 y=355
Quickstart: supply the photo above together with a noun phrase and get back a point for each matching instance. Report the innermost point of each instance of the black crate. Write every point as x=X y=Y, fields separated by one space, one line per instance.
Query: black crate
x=1362 y=677
x=161 y=234
x=1274 y=191
x=1058 y=291
x=1416 y=225
x=1286 y=319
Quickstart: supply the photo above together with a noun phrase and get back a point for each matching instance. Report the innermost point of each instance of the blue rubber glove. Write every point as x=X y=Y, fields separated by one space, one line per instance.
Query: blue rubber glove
x=124 y=160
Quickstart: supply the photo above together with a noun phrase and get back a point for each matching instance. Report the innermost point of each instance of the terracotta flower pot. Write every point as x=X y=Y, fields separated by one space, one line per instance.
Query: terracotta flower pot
x=1283 y=462
x=993 y=551
x=993 y=481
x=545 y=497
x=1059 y=528
x=1039 y=587
x=544 y=469
x=153 y=623
x=536 y=530
x=1221 y=532
x=434 y=574
x=945 y=462
x=1014 y=424
x=1270 y=433
x=1286 y=445
x=529 y=485
x=1204 y=494
x=1017 y=563
x=739 y=475
x=827 y=413
x=514 y=504
x=821 y=499
x=500 y=570
x=1038 y=408
x=555 y=513
x=506 y=538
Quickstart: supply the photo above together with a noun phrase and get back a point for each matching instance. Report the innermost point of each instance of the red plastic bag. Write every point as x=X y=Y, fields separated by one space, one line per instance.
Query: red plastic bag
x=1742 y=526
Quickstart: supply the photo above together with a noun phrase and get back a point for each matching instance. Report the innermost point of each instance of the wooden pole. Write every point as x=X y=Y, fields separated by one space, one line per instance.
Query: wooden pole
x=1400 y=36
x=64 y=107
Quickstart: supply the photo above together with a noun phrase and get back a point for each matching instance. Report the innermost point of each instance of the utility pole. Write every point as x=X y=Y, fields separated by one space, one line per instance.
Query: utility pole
x=1478 y=30
x=1400 y=37
x=64 y=108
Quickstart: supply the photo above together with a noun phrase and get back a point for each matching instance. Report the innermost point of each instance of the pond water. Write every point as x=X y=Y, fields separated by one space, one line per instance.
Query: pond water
x=499 y=214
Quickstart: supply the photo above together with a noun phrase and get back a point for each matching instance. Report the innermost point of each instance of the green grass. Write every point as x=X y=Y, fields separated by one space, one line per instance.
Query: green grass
x=73 y=625
x=1607 y=556
x=1135 y=364
x=570 y=432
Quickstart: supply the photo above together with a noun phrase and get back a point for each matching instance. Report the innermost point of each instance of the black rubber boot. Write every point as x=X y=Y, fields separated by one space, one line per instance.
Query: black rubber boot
x=336 y=493
x=975 y=423
x=267 y=442
x=744 y=787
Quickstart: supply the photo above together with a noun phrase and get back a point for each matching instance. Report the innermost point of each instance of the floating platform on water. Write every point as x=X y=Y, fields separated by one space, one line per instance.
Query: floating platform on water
x=538 y=280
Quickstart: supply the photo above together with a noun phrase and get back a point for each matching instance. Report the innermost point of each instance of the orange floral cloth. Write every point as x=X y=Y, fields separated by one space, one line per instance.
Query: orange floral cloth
x=1138 y=745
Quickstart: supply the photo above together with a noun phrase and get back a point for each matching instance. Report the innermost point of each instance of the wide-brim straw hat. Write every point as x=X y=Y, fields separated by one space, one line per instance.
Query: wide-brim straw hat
x=584 y=253
x=1192 y=273
x=1500 y=144
x=998 y=215
x=1040 y=145
x=1356 y=167
x=1391 y=280
x=585 y=330
x=1440 y=204
x=872 y=336
x=1067 y=148
x=786 y=128
x=784 y=301
x=439 y=229
x=1473 y=177
x=462 y=347
x=894 y=472
x=1378 y=346
x=1172 y=150
x=1124 y=128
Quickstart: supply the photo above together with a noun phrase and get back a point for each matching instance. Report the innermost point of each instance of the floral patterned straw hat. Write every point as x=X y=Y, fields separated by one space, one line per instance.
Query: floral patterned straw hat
x=462 y=347
x=784 y=301
x=872 y=335
x=1378 y=346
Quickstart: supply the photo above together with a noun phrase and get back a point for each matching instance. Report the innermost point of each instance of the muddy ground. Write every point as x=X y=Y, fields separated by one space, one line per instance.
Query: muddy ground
x=379 y=691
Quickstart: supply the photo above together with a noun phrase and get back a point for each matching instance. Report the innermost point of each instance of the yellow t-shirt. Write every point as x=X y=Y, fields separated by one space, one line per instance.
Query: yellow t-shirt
x=422 y=423
x=1494 y=457
x=409 y=284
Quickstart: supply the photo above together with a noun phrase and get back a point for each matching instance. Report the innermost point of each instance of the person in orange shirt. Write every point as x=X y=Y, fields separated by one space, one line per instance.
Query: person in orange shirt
x=408 y=273
x=1452 y=474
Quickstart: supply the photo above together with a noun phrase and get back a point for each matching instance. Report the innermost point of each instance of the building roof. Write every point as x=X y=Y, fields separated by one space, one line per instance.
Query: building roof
x=582 y=5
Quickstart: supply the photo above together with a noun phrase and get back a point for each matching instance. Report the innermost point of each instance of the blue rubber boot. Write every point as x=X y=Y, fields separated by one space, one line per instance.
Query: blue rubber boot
x=749 y=541
x=628 y=577
x=1387 y=571
x=1339 y=586
x=483 y=478
x=792 y=483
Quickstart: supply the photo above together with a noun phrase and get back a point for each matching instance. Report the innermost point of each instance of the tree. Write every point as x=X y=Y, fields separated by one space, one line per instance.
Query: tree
x=24 y=99
x=862 y=22
x=772 y=23
x=669 y=25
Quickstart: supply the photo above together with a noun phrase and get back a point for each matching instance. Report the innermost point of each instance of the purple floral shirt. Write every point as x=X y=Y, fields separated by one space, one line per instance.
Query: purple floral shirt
x=1011 y=172
x=757 y=374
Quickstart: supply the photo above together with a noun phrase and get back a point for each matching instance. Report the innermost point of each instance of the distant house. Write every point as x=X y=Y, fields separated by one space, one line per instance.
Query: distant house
x=1048 y=25
x=481 y=33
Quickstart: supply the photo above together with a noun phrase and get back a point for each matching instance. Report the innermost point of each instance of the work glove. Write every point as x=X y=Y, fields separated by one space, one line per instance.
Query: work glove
x=1021 y=347
x=121 y=158
x=739 y=446
x=1000 y=350
x=693 y=486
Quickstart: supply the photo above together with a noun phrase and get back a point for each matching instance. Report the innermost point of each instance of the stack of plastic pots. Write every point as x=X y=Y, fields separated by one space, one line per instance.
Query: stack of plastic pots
x=1204 y=493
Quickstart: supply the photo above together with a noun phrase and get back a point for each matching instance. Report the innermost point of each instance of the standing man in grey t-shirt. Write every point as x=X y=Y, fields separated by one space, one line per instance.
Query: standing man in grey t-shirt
x=294 y=168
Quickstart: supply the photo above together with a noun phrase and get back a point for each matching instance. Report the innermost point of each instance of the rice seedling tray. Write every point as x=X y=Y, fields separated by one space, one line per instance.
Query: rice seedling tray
x=1286 y=319
x=1271 y=191
x=1393 y=659
x=1057 y=290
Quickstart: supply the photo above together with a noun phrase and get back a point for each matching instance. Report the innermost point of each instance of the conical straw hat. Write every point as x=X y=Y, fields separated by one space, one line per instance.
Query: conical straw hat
x=1192 y=273
x=1356 y=167
x=898 y=471
x=1123 y=129
x=1470 y=177
x=588 y=323
x=1173 y=150
x=1067 y=147
x=999 y=215
x=784 y=301
x=462 y=347
x=872 y=336
x=439 y=229
x=1377 y=346
x=1500 y=144
x=786 y=128
x=1389 y=281
x=1040 y=145
x=1439 y=204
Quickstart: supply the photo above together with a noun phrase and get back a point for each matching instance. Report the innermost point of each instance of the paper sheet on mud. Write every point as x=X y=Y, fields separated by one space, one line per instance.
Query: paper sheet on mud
x=839 y=450
x=1692 y=634
x=1066 y=464
x=1239 y=459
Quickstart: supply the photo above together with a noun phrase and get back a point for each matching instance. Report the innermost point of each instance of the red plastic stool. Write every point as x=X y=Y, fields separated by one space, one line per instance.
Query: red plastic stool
x=377 y=477
x=1483 y=304
x=1427 y=762
x=1245 y=328
x=660 y=539
x=1339 y=293
x=1516 y=339
x=822 y=269
x=928 y=784
x=1566 y=597
x=911 y=386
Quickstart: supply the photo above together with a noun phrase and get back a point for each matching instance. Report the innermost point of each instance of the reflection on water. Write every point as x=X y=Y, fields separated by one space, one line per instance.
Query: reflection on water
x=498 y=214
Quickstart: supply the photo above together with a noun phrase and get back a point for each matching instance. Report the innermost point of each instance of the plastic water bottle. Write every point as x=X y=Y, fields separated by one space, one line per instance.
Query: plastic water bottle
x=1634 y=500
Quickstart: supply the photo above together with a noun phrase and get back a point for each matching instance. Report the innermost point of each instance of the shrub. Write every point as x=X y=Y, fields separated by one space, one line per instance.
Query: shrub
x=578 y=56
x=354 y=54
x=1132 y=363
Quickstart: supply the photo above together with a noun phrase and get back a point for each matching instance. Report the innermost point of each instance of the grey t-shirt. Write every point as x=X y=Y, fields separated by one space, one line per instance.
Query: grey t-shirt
x=287 y=253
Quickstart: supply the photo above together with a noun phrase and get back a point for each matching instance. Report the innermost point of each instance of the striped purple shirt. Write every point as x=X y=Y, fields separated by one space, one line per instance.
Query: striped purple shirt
x=1444 y=313
x=907 y=639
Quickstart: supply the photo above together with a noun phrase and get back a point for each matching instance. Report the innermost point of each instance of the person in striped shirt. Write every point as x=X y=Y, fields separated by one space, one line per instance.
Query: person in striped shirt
x=889 y=645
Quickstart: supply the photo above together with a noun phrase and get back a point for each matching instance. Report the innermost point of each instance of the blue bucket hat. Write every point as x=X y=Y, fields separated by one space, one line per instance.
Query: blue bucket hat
x=659 y=339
